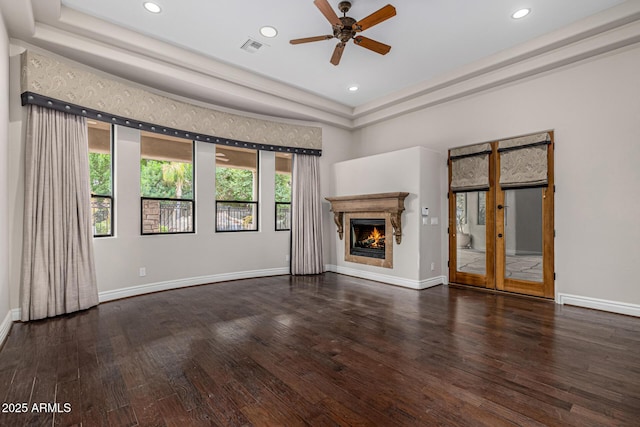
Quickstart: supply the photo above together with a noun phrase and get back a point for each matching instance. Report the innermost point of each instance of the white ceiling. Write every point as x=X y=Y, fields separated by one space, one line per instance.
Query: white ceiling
x=428 y=38
x=442 y=50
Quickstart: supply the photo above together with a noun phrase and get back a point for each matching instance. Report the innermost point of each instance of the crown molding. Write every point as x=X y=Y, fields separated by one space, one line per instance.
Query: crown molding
x=158 y=65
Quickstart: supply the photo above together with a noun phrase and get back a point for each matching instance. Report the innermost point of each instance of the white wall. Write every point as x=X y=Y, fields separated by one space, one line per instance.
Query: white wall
x=4 y=175
x=411 y=170
x=594 y=107
x=337 y=146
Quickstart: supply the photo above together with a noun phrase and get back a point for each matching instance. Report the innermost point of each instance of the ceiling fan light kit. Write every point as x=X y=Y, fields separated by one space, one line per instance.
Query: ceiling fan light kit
x=346 y=28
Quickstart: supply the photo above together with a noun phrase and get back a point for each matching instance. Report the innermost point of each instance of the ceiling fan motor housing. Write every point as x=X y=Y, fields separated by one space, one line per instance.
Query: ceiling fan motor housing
x=346 y=32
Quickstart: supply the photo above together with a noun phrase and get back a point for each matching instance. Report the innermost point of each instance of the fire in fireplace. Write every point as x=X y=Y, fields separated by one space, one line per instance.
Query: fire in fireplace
x=368 y=237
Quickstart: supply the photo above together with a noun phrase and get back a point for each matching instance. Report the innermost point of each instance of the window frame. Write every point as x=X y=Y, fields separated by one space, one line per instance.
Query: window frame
x=168 y=199
x=192 y=201
x=241 y=230
x=111 y=196
x=276 y=216
x=277 y=203
x=256 y=191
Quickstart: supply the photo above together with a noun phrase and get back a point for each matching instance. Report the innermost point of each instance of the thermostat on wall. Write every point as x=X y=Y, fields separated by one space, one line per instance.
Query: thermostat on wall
x=425 y=211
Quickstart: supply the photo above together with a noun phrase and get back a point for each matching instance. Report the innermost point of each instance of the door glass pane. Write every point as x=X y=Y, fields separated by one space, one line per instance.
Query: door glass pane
x=523 y=234
x=471 y=232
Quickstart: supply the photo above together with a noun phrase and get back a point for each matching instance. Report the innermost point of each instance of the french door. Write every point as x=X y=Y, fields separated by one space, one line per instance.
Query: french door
x=501 y=231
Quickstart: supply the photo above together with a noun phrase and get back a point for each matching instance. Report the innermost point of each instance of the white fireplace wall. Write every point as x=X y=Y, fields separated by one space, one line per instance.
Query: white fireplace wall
x=414 y=170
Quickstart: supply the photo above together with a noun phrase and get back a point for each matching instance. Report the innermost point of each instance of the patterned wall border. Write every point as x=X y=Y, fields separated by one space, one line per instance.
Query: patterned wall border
x=35 y=99
x=63 y=86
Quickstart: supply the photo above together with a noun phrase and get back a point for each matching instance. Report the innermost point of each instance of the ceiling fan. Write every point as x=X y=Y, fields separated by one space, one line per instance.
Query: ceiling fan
x=345 y=28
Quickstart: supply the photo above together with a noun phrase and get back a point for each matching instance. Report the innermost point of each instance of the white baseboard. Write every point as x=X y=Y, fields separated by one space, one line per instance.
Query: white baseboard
x=600 y=304
x=392 y=280
x=132 y=291
x=5 y=327
x=16 y=314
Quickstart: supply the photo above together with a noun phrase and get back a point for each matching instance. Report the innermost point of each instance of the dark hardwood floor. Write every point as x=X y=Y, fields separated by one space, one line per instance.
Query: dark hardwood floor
x=326 y=350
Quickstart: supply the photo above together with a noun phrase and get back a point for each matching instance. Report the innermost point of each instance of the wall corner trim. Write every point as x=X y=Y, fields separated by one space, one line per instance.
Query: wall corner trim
x=5 y=326
x=599 y=304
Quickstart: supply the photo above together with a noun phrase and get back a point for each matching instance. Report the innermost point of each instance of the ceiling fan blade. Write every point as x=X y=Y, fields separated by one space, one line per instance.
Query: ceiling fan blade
x=328 y=11
x=310 y=39
x=373 y=45
x=375 y=18
x=337 y=53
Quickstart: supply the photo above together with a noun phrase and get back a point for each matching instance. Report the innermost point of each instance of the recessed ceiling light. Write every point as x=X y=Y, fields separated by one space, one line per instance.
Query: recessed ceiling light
x=268 y=31
x=520 y=13
x=152 y=7
x=353 y=88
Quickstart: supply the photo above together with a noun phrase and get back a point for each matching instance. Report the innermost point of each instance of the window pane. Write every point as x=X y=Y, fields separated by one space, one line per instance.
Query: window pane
x=283 y=177
x=283 y=216
x=166 y=167
x=101 y=215
x=523 y=234
x=236 y=174
x=100 y=176
x=471 y=232
x=232 y=216
x=167 y=216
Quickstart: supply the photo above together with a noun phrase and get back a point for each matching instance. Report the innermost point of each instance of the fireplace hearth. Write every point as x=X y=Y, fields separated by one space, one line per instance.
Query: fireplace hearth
x=368 y=237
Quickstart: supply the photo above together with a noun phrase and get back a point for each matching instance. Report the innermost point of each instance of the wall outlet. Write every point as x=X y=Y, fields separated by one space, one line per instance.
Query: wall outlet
x=143 y=271
x=433 y=266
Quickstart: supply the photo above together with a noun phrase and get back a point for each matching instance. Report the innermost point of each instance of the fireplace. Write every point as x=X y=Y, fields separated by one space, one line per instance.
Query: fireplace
x=369 y=224
x=368 y=237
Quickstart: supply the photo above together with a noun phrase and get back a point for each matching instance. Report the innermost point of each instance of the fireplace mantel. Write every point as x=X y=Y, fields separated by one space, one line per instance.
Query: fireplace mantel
x=391 y=203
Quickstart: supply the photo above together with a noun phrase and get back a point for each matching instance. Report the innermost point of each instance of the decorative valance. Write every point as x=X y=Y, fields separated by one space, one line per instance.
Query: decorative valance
x=523 y=161
x=75 y=89
x=470 y=168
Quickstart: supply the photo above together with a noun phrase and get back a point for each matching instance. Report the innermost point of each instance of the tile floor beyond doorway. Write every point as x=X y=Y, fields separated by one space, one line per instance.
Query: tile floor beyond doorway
x=524 y=267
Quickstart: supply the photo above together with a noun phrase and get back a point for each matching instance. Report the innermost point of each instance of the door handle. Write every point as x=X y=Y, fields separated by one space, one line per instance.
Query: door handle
x=500 y=206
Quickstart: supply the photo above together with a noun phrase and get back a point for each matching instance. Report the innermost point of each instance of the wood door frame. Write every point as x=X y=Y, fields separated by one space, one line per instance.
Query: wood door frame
x=495 y=266
x=546 y=288
x=488 y=279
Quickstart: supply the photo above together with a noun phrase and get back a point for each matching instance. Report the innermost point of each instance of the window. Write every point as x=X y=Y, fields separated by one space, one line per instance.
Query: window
x=166 y=184
x=283 y=191
x=236 y=189
x=461 y=210
x=100 y=175
x=482 y=207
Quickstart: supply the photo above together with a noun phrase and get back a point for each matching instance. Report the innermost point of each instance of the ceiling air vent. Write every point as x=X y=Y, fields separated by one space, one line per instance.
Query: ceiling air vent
x=251 y=46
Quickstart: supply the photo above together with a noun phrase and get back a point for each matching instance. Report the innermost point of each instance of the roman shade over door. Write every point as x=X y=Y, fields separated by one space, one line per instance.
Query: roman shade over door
x=523 y=161
x=470 y=168
x=58 y=273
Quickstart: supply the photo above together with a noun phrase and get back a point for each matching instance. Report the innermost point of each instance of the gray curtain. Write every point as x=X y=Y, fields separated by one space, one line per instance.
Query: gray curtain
x=58 y=272
x=306 y=217
x=470 y=167
x=523 y=161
